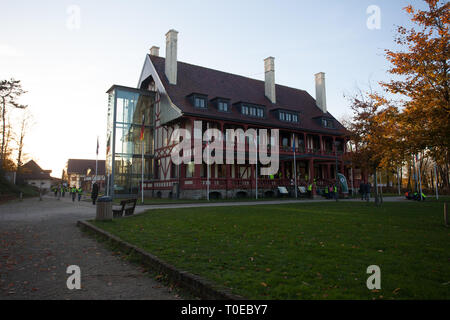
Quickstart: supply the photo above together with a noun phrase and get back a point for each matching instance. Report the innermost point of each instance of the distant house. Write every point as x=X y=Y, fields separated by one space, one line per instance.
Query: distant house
x=34 y=175
x=81 y=173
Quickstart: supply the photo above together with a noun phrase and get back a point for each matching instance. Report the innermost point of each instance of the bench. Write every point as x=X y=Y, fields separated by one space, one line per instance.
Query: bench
x=282 y=191
x=126 y=208
x=303 y=192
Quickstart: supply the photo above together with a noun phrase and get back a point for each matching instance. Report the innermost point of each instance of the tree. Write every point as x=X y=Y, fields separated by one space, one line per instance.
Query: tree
x=422 y=81
x=25 y=124
x=10 y=91
x=374 y=132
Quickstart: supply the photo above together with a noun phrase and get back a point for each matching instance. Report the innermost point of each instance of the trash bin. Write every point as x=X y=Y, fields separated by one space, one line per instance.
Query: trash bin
x=104 y=209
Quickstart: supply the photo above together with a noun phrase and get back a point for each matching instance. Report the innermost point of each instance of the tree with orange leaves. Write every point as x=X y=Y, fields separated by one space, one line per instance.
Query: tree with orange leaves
x=422 y=81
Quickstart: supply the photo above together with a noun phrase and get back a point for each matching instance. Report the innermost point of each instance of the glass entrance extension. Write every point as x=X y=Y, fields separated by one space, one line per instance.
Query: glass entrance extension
x=126 y=108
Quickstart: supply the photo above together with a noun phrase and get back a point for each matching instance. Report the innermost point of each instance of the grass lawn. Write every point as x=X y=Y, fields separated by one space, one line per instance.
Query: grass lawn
x=303 y=251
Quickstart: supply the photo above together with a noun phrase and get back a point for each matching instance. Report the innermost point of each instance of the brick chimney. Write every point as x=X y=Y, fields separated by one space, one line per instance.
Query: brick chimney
x=321 y=95
x=269 y=83
x=171 y=56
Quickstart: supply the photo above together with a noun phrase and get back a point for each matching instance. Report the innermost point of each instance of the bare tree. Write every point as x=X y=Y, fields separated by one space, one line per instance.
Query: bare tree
x=25 y=124
x=10 y=91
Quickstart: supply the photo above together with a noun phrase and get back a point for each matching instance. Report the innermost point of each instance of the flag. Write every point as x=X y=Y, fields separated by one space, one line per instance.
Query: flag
x=97 y=145
x=142 y=128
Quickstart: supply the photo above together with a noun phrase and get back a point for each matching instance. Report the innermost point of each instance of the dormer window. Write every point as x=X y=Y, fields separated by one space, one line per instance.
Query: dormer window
x=287 y=116
x=200 y=102
x=327 y=123
x=252 y=110
x=222 y=106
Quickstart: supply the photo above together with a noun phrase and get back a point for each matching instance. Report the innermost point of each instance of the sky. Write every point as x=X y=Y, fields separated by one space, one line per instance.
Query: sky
x=68 y=53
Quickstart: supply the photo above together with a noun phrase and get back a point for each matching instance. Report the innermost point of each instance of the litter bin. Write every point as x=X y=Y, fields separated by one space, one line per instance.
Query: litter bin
x=104 y=209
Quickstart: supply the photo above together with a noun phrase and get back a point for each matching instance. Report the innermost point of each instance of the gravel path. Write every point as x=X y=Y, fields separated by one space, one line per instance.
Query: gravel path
x=39 y=240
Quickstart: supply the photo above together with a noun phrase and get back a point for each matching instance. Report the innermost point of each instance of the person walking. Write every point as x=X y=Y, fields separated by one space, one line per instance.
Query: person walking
x=80 y=193
x=94 y=193
x=63 y=191
x=73 y=192
x=368 y=186
x=362 y=187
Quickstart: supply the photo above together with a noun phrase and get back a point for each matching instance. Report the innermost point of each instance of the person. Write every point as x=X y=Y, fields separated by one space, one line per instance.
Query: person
x=55 y=190
x=327 y=194
x=335 y=192
x=73 y=192
x=310 y=190
x=368 y=186
x=63 y=191
x=423 y=196
x=80 y=192
x=362 y=186
x=94 y=193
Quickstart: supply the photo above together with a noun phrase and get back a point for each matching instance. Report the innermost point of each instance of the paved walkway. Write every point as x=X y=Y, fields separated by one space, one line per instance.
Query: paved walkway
x=143 y=208
x=39 y=239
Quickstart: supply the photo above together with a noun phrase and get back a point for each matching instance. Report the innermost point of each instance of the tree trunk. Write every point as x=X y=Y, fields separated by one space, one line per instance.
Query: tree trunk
x=3 y=129
x=377 y=200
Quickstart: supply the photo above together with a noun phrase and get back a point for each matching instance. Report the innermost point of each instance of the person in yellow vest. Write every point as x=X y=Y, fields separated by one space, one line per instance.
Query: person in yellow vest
x=310 y=190
x=73 y=192
x=80 y=193
x=335 y=192
x=327 y=194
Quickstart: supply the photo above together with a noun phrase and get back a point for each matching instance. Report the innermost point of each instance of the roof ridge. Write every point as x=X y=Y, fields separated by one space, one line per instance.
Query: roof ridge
x=232 y=74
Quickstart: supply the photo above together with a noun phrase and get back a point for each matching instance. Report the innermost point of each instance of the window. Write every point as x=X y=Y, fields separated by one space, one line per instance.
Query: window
x=288 y=116
x=190 y=167
x=223 y=106
x=200 y=102
x=327 y=123
x=251 y=110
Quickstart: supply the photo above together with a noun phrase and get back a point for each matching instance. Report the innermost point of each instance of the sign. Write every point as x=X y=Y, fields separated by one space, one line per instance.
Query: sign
x=343 y=182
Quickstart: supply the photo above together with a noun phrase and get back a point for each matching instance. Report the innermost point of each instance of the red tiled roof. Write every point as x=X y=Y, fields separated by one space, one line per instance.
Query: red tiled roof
x=81 y=166
x=237 y=88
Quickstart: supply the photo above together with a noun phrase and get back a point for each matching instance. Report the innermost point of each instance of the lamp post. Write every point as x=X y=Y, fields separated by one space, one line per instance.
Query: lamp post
x=336 y=173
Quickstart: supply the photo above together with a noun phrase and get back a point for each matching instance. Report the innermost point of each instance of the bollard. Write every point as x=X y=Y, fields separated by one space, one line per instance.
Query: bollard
x=104 y=209
x=21 y=196
x=445 y=215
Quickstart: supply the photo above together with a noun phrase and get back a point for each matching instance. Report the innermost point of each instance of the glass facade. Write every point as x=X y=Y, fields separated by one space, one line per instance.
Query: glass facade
x=126 y=110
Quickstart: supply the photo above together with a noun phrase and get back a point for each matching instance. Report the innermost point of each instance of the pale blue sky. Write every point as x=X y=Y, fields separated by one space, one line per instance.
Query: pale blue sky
x=68 y=71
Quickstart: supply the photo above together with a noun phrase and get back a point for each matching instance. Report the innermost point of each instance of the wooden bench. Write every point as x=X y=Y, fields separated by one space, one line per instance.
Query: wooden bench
x=126 y=208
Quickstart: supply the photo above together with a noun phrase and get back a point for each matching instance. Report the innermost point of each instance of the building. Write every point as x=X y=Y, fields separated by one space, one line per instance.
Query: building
x=81 y=173
x=32 y=174
x=173 y=95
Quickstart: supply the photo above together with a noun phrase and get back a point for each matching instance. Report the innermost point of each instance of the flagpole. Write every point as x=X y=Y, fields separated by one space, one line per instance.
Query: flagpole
x=420 y=180
x=96 y=162
x=436 y=182
x=256 y=173
x=295 y=165
x=207 y=165
x=142 y=172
